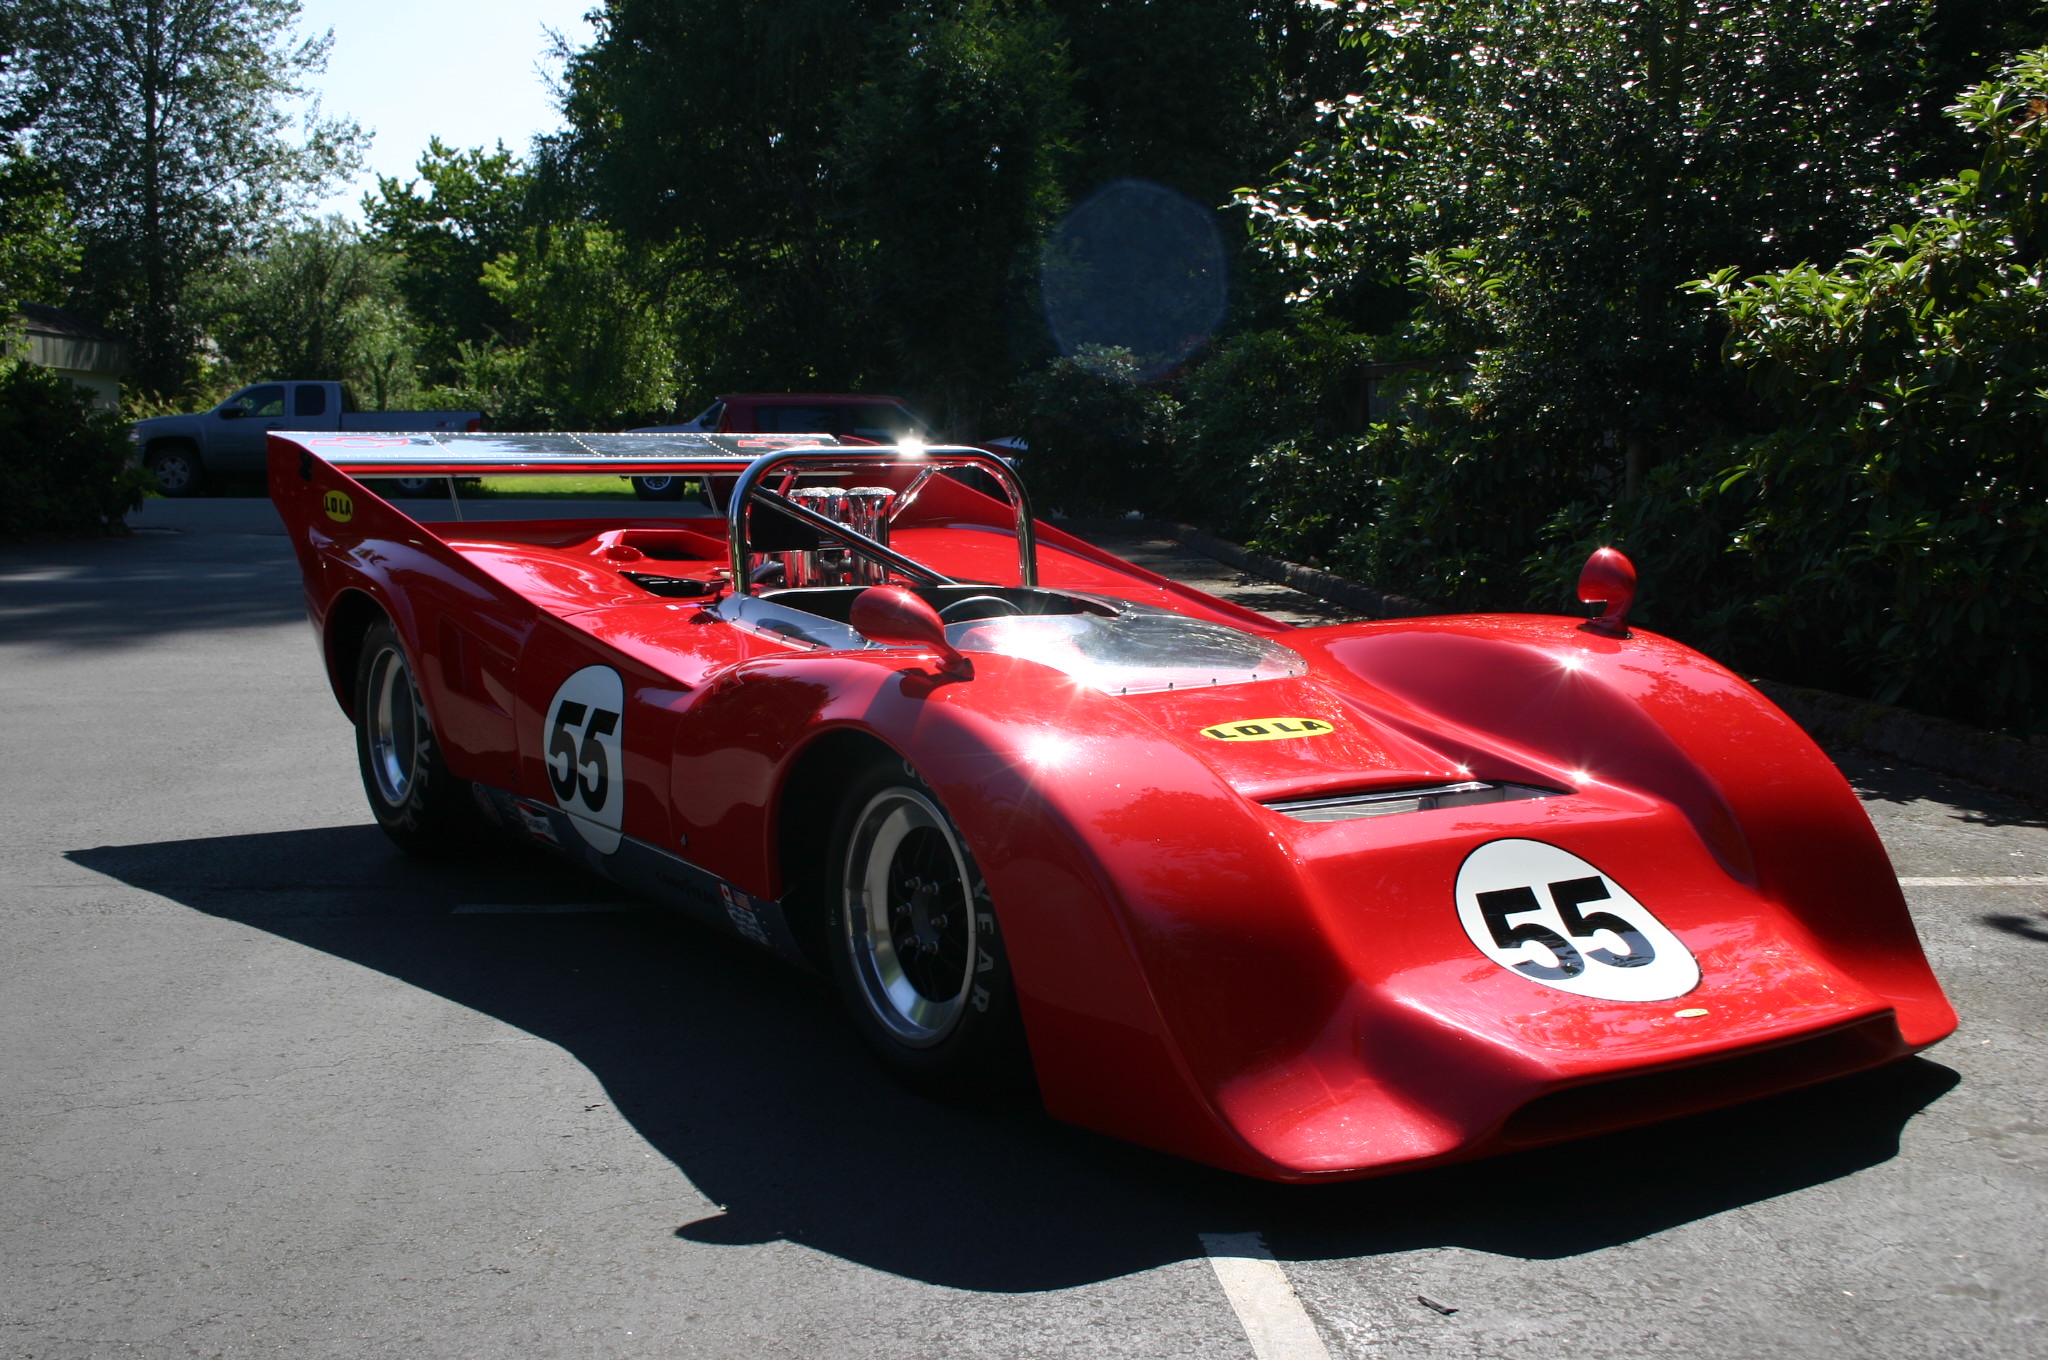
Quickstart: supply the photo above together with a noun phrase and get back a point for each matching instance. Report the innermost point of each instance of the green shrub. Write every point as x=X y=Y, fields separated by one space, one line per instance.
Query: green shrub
x=64 y=468
x=1885 y=537
x=1252 y=409
x=1098 y=436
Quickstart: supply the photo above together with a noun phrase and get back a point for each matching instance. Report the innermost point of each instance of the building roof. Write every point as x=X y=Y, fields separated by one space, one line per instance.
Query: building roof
x=39 y=319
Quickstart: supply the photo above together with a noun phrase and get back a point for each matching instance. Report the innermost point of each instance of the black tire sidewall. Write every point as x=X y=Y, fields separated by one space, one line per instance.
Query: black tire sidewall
x=438 y=814
x=985 y=1047
x=186 y=454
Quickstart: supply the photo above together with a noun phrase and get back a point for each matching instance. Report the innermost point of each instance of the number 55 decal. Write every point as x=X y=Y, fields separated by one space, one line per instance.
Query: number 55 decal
x=583 y=740
x=1524 y=904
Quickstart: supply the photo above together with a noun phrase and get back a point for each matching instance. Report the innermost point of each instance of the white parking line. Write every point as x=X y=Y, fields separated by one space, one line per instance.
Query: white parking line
x=1267 y=1306
x=1981 y=881
x=540 y=908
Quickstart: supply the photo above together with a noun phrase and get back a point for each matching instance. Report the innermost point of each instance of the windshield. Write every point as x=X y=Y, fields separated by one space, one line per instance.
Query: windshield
x=1138 y=650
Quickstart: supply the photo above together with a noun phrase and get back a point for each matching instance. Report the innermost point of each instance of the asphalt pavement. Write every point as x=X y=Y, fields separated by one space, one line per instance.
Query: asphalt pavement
x=273 y=1089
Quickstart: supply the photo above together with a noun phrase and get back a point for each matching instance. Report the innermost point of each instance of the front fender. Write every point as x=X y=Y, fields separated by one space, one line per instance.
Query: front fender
x=1145 y=911
x=1652 y=715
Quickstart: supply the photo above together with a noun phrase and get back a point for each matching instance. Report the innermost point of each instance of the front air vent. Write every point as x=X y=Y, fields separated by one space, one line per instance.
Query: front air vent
x=1388 y=802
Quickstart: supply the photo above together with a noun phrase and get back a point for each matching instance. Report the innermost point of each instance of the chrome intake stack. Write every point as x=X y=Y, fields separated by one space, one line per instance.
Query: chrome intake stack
x=863 y=509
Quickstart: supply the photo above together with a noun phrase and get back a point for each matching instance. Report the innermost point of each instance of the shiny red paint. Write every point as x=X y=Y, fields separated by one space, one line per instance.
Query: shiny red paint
x=1608 y=579
x=1198 y=971
x=894 y=617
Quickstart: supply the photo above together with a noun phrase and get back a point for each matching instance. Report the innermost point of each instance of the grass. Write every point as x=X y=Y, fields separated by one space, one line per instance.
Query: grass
x=590 y=486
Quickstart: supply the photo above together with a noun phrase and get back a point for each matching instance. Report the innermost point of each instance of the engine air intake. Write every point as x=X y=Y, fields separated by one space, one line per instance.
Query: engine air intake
x=1387 y=802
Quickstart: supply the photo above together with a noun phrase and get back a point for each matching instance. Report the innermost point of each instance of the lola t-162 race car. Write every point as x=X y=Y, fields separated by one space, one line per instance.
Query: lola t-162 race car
x=1303 y=903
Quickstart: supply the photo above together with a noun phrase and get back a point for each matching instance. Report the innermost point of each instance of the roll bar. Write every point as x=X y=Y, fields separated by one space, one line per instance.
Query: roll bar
x=749 y=491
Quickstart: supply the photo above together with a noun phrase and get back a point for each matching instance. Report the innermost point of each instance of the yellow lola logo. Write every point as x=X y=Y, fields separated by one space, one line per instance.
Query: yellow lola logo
x=338 y=506
x=1269 y=729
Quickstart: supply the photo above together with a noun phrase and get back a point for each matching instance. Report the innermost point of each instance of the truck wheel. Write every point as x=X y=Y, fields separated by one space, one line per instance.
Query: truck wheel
x=914 y=942
x=658 y=488
x=421 y=806
x=176 y=468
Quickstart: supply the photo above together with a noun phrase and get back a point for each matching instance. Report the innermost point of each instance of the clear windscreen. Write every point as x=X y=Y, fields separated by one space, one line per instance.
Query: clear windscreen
x=1137 y=650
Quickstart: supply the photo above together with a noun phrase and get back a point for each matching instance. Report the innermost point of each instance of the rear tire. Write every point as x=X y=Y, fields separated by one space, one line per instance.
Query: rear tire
x=913 y=939
x=177 y=469
x=658 y=488
x=426 y=810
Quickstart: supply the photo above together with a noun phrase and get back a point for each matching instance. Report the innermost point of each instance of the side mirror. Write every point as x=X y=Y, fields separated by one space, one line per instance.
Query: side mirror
x=894 y=617
x=232 y=412
x=1609 y=580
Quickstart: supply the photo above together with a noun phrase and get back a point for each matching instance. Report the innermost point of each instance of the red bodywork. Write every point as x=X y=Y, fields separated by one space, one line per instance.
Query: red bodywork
x=1197 y=970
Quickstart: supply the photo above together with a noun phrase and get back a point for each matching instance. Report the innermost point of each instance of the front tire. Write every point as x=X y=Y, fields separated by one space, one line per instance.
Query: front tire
x=423 y=808
x=915 y=946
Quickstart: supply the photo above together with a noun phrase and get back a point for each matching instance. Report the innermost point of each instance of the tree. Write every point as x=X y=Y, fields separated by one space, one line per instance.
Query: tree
x=602 y=347
x=464 y=210
x=858 y=188
x=168 y=124
x=38 y=246
x=319 y=302
x=1885 y=534
x=1545 y=177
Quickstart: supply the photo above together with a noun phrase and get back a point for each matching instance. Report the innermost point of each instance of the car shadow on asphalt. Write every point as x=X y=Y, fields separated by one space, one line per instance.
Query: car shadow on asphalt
x=741 y=1072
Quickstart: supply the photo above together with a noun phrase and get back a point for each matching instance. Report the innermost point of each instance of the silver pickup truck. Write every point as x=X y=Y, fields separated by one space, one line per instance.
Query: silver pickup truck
x=232 y=437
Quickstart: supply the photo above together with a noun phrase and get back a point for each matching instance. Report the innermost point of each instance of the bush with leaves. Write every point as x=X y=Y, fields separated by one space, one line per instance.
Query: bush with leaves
x=1545 y=176
x=1887 y=536
x=64 y=467
x=1291 y=387
x=1099 y=439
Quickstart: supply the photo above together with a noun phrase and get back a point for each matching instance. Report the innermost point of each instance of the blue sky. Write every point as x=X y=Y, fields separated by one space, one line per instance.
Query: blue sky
x=465 y=70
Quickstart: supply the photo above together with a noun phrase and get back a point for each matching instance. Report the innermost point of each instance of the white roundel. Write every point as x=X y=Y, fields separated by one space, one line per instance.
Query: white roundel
x=582 y=746
x=1555 y=919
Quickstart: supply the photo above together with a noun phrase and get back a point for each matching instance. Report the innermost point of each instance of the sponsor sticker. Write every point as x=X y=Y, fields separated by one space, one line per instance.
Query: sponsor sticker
x=338 y=506
x=584 y=742
x=1555 y=919
x=742 y=914
x=1269 y=729
x=359 y=442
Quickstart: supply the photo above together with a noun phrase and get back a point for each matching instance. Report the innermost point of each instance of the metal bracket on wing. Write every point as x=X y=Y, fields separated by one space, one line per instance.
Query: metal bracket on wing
x=750 y=491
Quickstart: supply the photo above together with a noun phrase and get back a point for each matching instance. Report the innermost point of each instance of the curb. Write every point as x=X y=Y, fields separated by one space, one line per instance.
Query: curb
x=1835 y=721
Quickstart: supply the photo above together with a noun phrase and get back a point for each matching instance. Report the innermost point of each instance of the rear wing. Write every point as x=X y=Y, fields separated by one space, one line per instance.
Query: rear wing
x=750 y=461
x=460 y=454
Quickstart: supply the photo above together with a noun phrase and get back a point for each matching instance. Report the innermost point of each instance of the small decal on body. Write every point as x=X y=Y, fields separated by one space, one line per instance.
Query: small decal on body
x=1268 y=729
x=338 y=506
x=1550 y=916
x=744 y=917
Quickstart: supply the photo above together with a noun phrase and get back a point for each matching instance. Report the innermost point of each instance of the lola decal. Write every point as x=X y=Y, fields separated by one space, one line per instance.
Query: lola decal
x=338 y=506
x=1268 y=729
x=583 y=741
x=1555 y=919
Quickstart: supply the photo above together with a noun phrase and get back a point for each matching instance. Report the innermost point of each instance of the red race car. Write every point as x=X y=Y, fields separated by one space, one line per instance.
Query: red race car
x=1302 y=903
